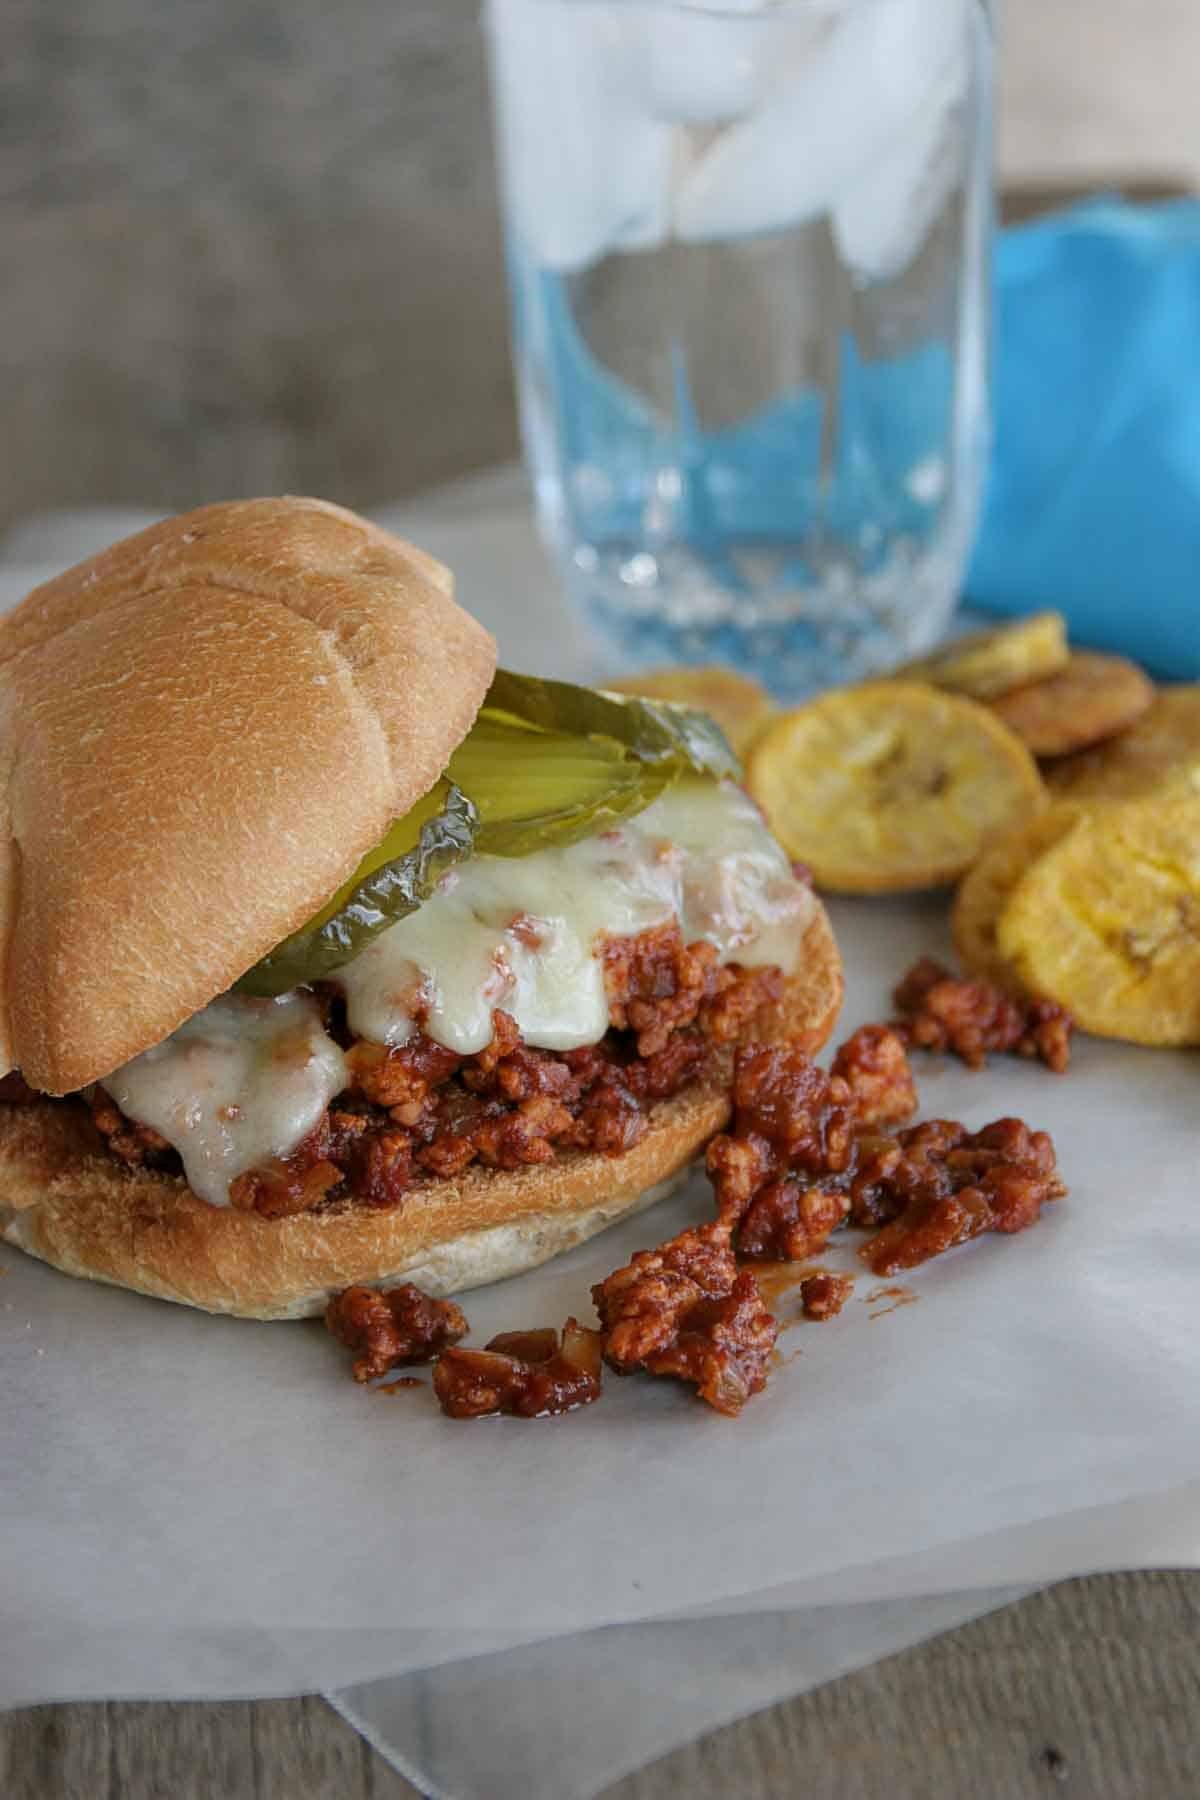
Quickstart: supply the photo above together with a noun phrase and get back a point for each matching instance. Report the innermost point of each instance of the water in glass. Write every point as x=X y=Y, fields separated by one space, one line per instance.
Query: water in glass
x=747 y=251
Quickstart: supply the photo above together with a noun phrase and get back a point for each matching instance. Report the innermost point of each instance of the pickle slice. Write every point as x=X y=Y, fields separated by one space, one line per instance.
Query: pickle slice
x=741 y=707
x=547 y=763
x=389 y=883
x=534 y=789
x=655 y=731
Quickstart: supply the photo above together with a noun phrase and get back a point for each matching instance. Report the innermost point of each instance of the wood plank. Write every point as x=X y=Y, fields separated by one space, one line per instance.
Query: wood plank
x=205 y=1752
x=303 y=1748
x=253 y=1750
x=55 y=1753
x=1091 y=1688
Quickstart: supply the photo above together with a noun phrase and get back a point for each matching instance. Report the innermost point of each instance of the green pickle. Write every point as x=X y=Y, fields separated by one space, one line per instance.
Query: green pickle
x=391 y=881
x=547 y=763
x=655 y=731
x=534 y=789
x=544 y=764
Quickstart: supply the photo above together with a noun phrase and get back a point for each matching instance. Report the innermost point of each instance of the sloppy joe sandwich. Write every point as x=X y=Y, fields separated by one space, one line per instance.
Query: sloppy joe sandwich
x=332 y=953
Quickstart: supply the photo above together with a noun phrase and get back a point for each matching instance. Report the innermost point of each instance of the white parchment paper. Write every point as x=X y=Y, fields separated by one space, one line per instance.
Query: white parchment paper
x=163 y=1468
x=197 y=1506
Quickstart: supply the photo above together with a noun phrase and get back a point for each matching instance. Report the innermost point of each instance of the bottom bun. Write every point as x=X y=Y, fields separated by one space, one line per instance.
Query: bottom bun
x=63 y=1199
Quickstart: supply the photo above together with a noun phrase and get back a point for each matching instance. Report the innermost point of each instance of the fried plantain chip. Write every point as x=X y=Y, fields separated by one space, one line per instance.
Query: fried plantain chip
x=1107 y=921
x=983 y=664
x=984 y=891
x=1093 y=698
x=891 y=786
x=740 y=706
x=1161 y=750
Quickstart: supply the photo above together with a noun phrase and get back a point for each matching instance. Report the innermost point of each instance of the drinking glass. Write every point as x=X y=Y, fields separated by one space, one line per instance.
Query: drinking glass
x=747 y=246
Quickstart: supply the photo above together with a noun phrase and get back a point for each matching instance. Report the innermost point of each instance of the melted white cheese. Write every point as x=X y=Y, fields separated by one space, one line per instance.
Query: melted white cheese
x=246 y=1079
x=523 y=933
x=238 y=1083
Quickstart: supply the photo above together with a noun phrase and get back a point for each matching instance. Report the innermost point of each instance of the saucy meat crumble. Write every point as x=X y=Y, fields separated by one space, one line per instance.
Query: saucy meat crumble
x=529 y=1374
x=822 y=1296
x=419 y=1112
x=685 y=1310
x=796 y=1164
x=807 y=1152
x=942 y=1185
x=393 y=1327
x=973 y=1019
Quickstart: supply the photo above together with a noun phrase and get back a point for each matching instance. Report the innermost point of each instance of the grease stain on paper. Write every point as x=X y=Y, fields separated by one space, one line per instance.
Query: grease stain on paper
x=898 y=1296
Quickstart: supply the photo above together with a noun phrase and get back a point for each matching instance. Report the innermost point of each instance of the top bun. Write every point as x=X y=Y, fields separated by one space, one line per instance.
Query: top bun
x=202 y=731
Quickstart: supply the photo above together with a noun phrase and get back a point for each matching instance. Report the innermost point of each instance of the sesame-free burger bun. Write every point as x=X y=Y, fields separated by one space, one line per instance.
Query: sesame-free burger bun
x=202 y=731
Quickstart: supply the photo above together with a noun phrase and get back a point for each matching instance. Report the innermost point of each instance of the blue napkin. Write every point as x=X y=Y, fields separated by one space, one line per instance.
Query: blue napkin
x=1093 y=503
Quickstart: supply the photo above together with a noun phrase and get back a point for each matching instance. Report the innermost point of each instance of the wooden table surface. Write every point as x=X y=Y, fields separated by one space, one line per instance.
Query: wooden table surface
x=1090 y=1689
x=255 y=248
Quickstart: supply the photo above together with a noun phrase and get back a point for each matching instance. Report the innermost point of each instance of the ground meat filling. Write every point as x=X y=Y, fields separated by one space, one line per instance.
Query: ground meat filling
x=393 y=1328
x=527 y=1374
x=943 y=1185
x=16 y=1091
x=421 y=1112
x=132 y=1143
x=783 y=1173
x=657 y=984
x=806 y=1152
x=973 y=1019
x=875 y=1067
x=799 y=1160
x=685 y=1310
x=822 y=1296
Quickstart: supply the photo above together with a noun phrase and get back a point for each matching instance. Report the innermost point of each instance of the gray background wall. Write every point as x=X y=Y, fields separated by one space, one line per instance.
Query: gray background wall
x=250 y=245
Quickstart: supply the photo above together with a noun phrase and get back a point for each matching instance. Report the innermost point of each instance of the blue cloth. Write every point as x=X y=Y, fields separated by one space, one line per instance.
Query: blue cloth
x=1093 y=504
